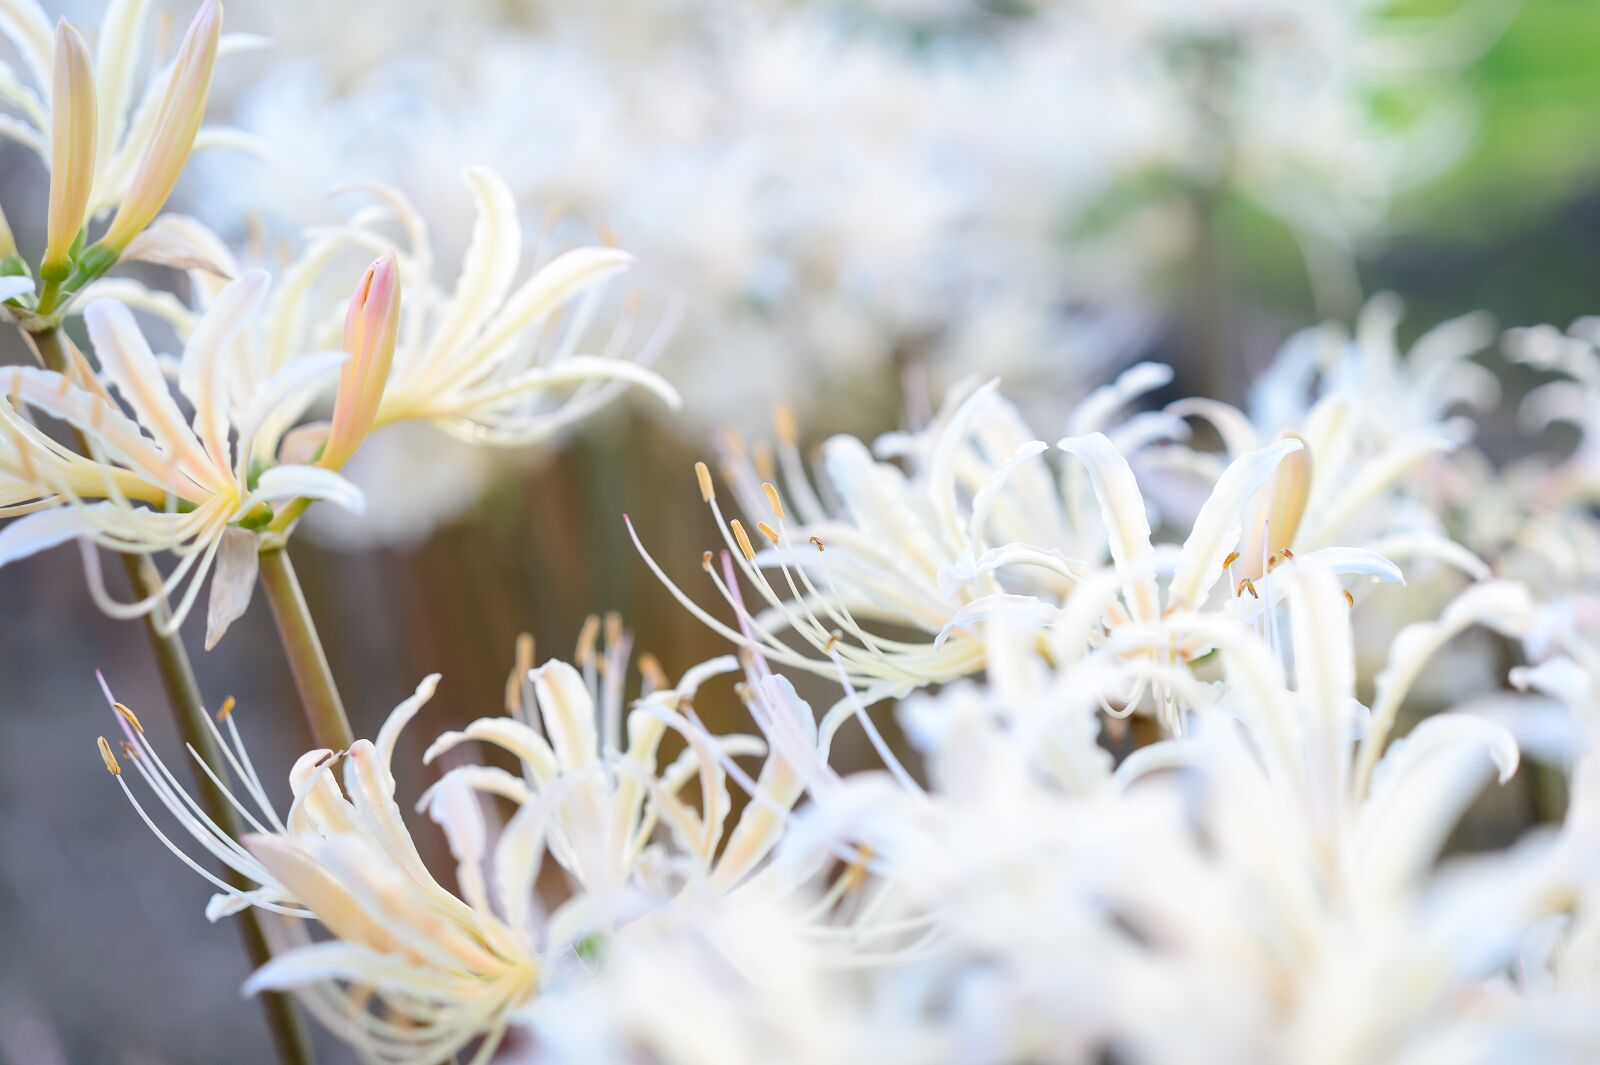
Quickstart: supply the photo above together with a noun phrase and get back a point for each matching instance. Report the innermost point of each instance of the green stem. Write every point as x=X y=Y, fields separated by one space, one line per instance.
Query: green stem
x=183 y=693
x=312 y=677
x=188 y=711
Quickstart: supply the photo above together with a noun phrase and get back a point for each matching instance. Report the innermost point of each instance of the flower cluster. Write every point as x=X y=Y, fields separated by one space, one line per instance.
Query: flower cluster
x=492 y=361
x=846 y=186
x=1121 y=741
x=1106 y=774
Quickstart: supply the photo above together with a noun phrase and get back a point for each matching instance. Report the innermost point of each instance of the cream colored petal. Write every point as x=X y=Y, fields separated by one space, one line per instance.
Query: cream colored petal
x=1216 y=528
x=1419 y=791
x=1123 y=514
x=202 y=376
x=568 y=714
x=1504 y=606
x=319 y=891
x=121 y=36
x=553 y=285
x=521 y=740
x=398 y=719
x=131 y=367
x=486 y=273
x=1324 y=670
x=28 y=27
x=233 y=582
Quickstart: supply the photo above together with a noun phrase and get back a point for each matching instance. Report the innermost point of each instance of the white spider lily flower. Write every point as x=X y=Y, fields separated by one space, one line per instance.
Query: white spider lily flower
x=107 y=147
x=1368 y=419
x=487 y=361
x=152 y=480
x=975 y=527
x=129 y=122
x=612 y=790
x=414 y=972
x=1238 y=878
x=978 y=531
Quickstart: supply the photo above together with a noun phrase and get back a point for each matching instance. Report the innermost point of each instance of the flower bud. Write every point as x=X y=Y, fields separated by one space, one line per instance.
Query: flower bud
x=371 y=327
x=182 y=108
x=72 y=139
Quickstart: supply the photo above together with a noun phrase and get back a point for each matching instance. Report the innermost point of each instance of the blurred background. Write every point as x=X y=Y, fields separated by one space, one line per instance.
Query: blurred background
x=857 y=203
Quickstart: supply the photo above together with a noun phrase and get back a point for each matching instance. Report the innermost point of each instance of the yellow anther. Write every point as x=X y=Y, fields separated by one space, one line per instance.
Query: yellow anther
x=108 y=758
x=1350 y=599
x=855 y=873
x=833 y=639
x=1246 y=584
x=1278 y=512
x=707 y=491
x=773 y=499
x=762 y=459
x=521 y=662
x=586 y=638
x=783 y=423
x=817 y=541
x=227 y=709
x=1233 y=556
x=128 y=716
x=705 y=561
x=650 y=667
x=768 y=531
x=744 y=540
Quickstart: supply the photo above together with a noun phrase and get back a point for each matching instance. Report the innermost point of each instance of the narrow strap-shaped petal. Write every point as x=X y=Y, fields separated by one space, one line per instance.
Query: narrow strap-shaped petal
x=514 y=736
x=28 y=27
x=568 y=714
x=1123 y=513
x=203 y=374
x=1421 y=788
x=312 y=482
x=1216 y=527
x=233 y=582
x=487 y=271
x=115 y=64
x=551 y=286
x=130 y=365
x=399 y=718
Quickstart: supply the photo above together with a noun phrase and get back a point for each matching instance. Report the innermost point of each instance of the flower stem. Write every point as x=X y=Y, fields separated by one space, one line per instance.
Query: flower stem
x=188 y=711
x=312 y=677
x=183 y=692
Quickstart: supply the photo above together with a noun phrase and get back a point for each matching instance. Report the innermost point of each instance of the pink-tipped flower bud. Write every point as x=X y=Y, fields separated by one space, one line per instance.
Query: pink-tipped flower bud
x=371 y=327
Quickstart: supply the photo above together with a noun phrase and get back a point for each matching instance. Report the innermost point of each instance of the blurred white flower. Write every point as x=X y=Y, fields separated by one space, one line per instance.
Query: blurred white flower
x=413 y=972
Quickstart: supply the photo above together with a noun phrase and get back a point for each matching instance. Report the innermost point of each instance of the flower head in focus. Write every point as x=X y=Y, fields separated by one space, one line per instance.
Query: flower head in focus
x=149 y=478
x=486 y=360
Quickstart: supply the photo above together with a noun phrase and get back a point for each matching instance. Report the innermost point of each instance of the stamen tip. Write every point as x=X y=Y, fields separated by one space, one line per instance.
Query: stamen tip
x=129 y=716
x=108 y=758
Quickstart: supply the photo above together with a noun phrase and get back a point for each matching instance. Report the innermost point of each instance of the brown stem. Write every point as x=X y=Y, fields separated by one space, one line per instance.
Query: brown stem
x=312 y=678
x=188 y=711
